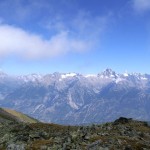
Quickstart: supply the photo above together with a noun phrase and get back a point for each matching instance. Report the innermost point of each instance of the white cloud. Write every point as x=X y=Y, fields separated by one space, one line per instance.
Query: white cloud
x=141 y=5
x=78 y=35
x=16 y=41
x=90 y=26
x=83 y=26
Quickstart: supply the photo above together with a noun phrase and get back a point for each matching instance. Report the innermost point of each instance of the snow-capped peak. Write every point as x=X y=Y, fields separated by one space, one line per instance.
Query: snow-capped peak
x=126 y=74
x=108 y=73
x=63 y=76
x=30 y=77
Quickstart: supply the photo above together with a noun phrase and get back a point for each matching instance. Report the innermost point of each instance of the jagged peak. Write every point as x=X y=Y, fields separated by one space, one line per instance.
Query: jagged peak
x=108 y=73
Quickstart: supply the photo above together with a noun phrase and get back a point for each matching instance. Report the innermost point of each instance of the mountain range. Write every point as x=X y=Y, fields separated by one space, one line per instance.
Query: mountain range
x=73 y=98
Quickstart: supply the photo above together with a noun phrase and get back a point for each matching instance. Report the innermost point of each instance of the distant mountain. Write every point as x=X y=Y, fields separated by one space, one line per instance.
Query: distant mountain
x=72 y=98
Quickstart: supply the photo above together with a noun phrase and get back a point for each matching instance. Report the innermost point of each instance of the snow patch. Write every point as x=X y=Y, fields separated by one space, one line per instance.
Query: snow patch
x=30 y=77
x=63 y=76
x=90 y=75
x=38 y=107
x=143 y=78
x=112 y=76
x=60 y=79
x=71 y=102
x=126 y=74
x=118 y=80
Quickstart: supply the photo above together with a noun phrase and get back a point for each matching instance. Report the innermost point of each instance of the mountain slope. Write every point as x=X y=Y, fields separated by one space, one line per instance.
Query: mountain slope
x=11 y=115
x=71 y=98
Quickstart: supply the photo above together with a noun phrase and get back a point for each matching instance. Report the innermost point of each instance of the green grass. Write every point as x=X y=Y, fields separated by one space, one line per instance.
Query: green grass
x=15 y=116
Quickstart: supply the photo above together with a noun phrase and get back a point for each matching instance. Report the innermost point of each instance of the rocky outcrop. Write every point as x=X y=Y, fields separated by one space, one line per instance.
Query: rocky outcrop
x=122 y=134
x=122 y=120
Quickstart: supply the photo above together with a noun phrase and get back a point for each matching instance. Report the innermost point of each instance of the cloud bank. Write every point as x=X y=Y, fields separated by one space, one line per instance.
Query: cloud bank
x=16 y=41
x=141 y=5
x=79 y=35
x=76 y=32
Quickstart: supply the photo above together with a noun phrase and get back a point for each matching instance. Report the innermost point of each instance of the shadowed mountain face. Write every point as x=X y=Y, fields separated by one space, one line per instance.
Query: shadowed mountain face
x=78 y=99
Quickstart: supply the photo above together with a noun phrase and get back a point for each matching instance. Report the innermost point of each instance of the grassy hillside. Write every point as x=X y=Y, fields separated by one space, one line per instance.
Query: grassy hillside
x=12 y=115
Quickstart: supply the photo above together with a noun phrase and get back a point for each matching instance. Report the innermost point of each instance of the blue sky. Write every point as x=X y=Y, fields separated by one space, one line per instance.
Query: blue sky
x=84 y=36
